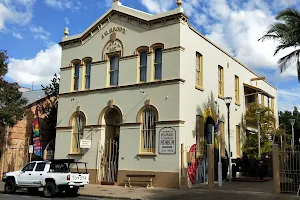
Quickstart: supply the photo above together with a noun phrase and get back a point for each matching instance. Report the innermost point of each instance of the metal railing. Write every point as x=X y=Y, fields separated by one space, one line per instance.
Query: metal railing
x=289 y=161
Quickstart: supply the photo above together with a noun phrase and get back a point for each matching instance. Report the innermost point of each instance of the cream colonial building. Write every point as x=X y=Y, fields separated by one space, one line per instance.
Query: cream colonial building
x=134 y=84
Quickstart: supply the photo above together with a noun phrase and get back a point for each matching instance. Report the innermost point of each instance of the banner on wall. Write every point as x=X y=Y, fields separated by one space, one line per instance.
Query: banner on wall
x=37 y=147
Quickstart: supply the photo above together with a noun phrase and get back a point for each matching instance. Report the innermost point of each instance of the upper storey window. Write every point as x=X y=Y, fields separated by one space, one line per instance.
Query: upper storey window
x=114 y=70
x=158 y=63
x=76 y=75
x=143 y=66
x=199 y=70
x=237 y=89
x=88 y=74
x=221 y=81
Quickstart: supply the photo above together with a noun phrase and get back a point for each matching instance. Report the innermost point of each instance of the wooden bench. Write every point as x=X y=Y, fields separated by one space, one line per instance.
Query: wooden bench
x=149 y=181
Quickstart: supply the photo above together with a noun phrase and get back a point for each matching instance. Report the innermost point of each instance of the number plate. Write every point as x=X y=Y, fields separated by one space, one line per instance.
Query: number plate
x=78 y=178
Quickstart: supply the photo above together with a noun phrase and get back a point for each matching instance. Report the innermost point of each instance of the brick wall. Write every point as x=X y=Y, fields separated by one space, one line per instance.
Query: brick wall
x=20 y=136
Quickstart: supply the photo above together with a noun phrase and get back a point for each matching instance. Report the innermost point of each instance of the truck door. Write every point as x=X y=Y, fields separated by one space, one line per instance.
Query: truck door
x=25 y=174
x=37 y=174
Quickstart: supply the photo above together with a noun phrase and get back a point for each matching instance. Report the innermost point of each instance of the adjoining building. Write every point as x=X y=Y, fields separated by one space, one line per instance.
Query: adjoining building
x=135 y=86
x=15 y=142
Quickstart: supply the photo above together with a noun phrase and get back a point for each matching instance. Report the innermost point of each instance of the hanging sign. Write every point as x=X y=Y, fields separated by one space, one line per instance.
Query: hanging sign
x=30 y=148
x=167 y=141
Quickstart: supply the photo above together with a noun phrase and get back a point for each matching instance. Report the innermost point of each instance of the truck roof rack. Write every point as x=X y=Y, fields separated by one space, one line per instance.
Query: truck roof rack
x=61 y=161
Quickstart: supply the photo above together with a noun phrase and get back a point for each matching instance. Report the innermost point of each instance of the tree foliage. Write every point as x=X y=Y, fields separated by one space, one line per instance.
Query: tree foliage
x=286 y=31
x=284 y=122
x=50 y=106
x=11 y=101
x=268 y=131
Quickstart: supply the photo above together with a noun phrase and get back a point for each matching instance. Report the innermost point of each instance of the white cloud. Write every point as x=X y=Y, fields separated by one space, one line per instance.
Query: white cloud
x=40 y=33
x=39 y=69
x=289 y=98
x=67 y=20
x=63 y=4
x=15 y=12
x=158 y=6
x=104 y=3
x=17 y=35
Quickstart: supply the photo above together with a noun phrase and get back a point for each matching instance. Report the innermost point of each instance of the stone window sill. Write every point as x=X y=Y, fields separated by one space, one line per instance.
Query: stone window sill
x=197 y=87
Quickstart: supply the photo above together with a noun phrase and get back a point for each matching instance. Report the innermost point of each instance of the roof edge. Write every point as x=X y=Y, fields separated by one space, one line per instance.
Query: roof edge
x=122 y=9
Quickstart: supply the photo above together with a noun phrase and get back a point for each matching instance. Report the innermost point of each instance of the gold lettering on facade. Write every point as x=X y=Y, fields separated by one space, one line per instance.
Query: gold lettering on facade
x=114 y=29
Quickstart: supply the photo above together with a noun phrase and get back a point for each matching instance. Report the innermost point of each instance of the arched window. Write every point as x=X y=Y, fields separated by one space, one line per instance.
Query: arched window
x=78 y=123
x=148 y=133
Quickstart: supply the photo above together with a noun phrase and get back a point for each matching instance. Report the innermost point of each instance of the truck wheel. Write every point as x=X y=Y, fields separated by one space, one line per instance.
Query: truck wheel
x=10 y=187
x=50 y=190
x=72 y=192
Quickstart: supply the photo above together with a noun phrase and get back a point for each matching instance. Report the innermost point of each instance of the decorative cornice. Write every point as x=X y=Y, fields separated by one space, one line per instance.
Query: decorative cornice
x=146 y=24
x=170 y=122
x=94 y=126
x=154 y=83
x=174 y=49
x=177 y=48
x=128 y=57
x=63 y=127
x=131 y=124
x=86 y=126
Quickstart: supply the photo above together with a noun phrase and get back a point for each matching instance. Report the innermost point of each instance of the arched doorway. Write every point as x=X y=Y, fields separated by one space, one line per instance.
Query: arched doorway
x=110 y=156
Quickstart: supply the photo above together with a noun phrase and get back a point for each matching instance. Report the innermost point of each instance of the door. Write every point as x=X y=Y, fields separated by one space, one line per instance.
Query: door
x=25 y=176
x=37 y=174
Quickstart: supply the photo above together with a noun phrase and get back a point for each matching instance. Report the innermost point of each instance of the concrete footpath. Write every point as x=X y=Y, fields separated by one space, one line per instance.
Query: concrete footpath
x=118 y=193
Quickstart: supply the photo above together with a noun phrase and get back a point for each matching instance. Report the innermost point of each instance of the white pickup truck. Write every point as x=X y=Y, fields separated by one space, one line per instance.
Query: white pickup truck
x=53 y=177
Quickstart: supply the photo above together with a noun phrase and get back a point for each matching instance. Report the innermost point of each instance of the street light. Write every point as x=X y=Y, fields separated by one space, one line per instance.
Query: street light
x=227 y=102
x=292 y=121
x=258 y=132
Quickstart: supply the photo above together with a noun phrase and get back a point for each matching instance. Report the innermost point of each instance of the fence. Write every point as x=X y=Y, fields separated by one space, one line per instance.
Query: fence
x=289 y=167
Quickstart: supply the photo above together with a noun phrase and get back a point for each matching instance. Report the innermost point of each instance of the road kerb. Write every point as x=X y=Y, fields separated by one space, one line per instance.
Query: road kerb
x=108 y=197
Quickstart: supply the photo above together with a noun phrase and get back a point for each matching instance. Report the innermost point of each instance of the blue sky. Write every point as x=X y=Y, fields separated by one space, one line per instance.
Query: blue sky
x=31 y=29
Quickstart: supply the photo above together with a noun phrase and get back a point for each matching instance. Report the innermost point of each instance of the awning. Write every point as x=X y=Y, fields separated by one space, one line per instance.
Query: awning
x=259 y=90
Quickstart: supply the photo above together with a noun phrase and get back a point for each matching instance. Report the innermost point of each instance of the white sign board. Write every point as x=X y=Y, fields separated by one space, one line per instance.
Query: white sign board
x=167 y=141
x=30 y=148
x=86 y=144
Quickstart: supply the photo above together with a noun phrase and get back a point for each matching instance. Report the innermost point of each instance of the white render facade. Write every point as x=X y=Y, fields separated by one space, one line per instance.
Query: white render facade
x=113 y=97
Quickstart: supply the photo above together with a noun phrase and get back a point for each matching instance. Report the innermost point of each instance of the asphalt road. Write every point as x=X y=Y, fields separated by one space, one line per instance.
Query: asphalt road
x=25 y=196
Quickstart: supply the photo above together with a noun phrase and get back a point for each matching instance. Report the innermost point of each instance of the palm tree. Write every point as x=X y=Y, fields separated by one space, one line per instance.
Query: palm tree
x=286 y=31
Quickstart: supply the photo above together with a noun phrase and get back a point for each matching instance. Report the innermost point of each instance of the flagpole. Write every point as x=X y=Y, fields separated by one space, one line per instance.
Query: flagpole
x=220 y=162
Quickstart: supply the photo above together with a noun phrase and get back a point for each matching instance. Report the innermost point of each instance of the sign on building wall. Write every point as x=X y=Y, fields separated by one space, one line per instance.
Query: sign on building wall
x=167 y=141
x=30 y=149
x=86 y=144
